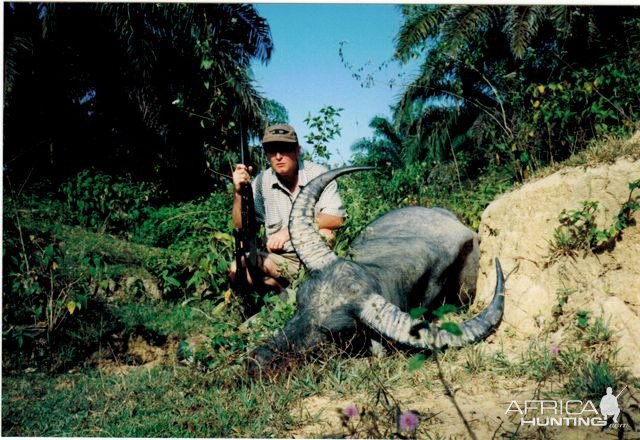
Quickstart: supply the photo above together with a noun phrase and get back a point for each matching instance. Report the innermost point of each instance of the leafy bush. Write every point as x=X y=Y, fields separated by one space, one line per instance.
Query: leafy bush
x=106 y=203
x=46 y=295
x=198 y=233
x=322 y=129
x=368 y=195
x=561 y=116
x=59 y=278
x=578 y=230
x=593 y=377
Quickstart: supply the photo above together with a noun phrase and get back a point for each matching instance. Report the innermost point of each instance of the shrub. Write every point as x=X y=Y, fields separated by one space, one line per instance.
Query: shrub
x=106 y=203
x=196 y=233
x=45 y=293
x=578 y=230
x=558 y=118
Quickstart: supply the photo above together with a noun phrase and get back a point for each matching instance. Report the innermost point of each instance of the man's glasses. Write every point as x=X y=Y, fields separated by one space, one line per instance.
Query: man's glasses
x=283 y=148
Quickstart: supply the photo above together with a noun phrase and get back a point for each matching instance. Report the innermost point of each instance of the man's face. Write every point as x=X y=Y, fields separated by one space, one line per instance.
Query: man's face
x=283 y=157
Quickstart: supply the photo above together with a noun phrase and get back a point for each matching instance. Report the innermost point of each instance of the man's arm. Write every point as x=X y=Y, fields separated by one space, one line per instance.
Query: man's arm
x=331 y=215
x=327 y=221
x=327 y=224
x=236 y=212
x=241 y=177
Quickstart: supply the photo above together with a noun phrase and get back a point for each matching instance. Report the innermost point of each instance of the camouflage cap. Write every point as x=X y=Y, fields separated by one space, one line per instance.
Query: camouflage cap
x=280 y=133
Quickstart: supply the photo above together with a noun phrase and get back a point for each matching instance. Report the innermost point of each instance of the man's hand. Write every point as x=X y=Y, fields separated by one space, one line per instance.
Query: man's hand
x=276 y=241
x=241 y=176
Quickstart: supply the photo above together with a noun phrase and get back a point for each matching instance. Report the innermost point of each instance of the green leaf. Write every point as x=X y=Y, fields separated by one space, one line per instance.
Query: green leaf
x=582 y=318
x=82 y=300
x=602 y=236
x=416 y=362
x=171 y=281
x=417 y=312
x=452 y=328
x=206 y=63
x=445 y=309
x=71 y=307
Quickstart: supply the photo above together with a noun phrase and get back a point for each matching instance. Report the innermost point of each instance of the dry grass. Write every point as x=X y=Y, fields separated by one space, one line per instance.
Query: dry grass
x=601 y=151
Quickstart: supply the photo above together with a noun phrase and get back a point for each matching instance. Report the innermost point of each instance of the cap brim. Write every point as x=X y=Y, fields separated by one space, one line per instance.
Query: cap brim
x=278 y=140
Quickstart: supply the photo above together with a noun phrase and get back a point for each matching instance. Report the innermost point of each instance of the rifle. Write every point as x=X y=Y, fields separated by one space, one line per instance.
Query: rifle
x=246 y=253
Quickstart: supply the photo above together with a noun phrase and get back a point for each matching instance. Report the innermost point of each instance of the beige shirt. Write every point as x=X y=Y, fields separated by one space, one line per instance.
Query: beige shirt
x=273 y=200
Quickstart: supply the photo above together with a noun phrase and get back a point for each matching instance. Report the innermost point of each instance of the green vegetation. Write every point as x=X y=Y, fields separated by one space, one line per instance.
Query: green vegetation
x=118 y=318
x=157 y=90
x=578 y=230
x=583 y=367
x=481 y=116
x=323 y=128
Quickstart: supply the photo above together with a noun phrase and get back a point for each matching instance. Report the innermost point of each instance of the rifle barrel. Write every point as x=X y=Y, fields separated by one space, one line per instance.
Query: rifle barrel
x=241 y=141
x=625 y=387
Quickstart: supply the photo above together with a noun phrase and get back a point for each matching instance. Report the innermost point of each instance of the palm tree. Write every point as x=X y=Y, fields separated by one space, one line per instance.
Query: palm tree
x=148 y=86
x=384 y=149
x=474 y=56
x=580 y=27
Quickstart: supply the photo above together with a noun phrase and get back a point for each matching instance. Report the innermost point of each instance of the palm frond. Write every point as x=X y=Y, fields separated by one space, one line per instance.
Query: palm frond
x=15 y=45
x=383 y=127
x=465 y=22
x=421 y=23
x=521 y=26
x=258 y=34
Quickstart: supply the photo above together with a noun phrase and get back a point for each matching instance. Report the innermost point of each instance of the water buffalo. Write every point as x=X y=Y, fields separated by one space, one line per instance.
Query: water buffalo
x=403 y=260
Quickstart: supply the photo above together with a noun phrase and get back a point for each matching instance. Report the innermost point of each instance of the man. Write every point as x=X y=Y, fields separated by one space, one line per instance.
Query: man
x=274 y=191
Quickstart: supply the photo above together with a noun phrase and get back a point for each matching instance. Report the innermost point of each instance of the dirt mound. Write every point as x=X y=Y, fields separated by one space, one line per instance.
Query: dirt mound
x=129 y=352
x=519 y=227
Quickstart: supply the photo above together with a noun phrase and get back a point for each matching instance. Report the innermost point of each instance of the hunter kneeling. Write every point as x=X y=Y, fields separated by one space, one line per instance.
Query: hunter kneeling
x=274 y=191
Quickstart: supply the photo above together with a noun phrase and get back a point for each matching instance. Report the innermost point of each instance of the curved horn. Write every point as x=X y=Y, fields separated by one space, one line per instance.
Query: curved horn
x=390 y=321
x=307 y=242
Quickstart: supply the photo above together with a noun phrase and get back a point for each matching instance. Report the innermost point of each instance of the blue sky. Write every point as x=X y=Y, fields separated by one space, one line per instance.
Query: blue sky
x=305 y=72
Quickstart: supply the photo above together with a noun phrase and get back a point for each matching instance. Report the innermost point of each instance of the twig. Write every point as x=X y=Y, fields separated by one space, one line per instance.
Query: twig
x=495 y=92
x=25 y=183
x=455 y=162
x=217 y=149
x=475 y=103
x=497 y=429
x=19 y=226
x=450 y=393
x=204 y=313
x=226 y=176
x=199 y=116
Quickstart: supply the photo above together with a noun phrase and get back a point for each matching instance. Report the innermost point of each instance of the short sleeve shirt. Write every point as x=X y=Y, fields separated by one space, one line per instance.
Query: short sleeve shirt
x=273 y=200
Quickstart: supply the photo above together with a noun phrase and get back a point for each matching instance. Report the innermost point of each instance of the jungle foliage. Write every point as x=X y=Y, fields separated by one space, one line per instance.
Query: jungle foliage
x=158 y=90
x=506 y=90
x=121 y=121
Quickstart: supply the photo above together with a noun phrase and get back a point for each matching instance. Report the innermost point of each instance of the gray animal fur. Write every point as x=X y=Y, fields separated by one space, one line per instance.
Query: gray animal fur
x=405 y=259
